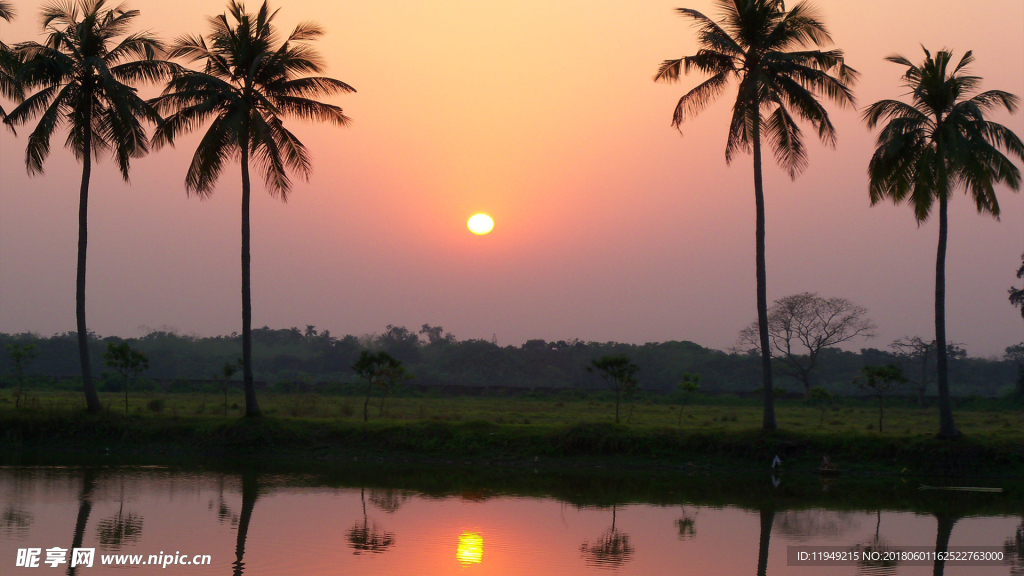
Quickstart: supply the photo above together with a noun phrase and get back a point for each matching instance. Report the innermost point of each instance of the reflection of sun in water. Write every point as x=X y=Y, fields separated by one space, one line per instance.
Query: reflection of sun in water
x=471 y=548
x=480 y=224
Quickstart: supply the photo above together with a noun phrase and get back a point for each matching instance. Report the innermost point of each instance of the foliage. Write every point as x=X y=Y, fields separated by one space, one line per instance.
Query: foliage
x=379 y=369
x=820 y=398
x=287 y=356
x=940 y=141
x=10 y=86
x=881 y=382
x=21 y=355
x=1017 y=294
x=802 y=325
x=224 y=377
x=619 y=374
x=126 y=362
x=687 y=389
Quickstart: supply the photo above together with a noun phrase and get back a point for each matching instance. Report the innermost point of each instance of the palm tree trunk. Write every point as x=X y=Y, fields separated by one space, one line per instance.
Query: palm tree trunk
x=252 y=409
x=768 y=422
x=947 y=429
x=92 y=400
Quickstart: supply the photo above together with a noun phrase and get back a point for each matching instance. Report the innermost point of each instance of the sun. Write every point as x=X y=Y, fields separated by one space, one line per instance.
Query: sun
x=480 y=224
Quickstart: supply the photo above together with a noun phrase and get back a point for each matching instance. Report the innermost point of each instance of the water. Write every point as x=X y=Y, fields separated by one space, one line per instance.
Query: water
x=451 y=521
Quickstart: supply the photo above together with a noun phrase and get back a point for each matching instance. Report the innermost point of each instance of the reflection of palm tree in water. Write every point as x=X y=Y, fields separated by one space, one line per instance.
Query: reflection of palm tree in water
x=884 y=565
x=368 y=537
x=250 y=490
x=1013 y=551
x=945 y=528
x=611 y=550
x=767 y=520
x=119 y=530
x=388 y=500
x=84 y=508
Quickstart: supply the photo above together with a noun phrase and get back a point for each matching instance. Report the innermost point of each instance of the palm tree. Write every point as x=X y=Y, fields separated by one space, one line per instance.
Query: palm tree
x=768 y=52
x=248 y=85
x=85 y=73
x=930 y=147
x=10 y=87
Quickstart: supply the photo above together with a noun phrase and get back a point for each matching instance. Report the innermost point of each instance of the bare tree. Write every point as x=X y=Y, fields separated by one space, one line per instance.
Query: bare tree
x=802 y=325
x=918 y=354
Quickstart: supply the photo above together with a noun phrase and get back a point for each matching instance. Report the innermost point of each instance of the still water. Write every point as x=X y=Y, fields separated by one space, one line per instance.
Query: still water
x=278 y=524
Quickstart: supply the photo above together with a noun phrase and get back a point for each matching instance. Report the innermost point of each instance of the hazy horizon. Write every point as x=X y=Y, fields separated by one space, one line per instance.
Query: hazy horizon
x=609 y=224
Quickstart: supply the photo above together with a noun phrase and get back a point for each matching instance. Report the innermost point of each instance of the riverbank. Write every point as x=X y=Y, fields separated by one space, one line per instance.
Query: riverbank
x=63 y=435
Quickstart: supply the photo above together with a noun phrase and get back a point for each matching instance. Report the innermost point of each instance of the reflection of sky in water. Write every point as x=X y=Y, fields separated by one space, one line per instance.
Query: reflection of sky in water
x=316 y=530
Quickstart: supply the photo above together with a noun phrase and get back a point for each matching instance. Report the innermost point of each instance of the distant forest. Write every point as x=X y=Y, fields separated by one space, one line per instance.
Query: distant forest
x=293 y=359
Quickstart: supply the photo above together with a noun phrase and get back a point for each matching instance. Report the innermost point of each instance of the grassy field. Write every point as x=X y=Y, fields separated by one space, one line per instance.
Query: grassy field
x=997 y=420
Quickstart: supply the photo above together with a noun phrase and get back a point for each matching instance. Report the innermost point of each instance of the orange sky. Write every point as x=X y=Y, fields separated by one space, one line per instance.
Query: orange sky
x=609 y=224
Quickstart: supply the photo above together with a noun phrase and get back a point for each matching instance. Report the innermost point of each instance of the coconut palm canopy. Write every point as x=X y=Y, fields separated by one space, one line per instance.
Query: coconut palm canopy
x=249 y=83
x=942 y=139
x=89 y=56
x=764 y=49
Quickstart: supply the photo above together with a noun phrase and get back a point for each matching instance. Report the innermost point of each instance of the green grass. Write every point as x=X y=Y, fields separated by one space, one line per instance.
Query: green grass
x=852 y=417
x=723 y=434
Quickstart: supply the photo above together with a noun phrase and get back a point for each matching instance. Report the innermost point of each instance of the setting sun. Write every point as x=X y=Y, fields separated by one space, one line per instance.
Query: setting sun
x=480 y=224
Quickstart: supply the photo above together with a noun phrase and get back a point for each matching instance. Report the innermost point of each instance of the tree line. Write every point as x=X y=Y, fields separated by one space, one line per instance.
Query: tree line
x=307 y=359
x=84 y=77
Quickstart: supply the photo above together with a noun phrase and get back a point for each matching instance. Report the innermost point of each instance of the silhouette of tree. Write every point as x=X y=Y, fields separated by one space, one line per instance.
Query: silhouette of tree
x=1015 y=354
x=126 y=362
x=687 y=388
x=249 y=84
x=10 y=84
x=919 y=354
x=224 y=378
x=378 y=369
x=611 y=549
x=367 y=537
x=802 y=325
x=763 y=48
x=822 y=399
x=880 y=382
x=927 y=149
x=21 y=355
x=1017 y=295
x=619 y=375
x=85 y=73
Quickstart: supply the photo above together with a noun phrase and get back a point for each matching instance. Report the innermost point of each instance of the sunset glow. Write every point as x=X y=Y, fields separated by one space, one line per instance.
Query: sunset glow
x=545 y=115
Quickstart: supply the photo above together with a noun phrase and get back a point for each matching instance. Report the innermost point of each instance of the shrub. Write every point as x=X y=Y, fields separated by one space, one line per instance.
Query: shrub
x=155 y=405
